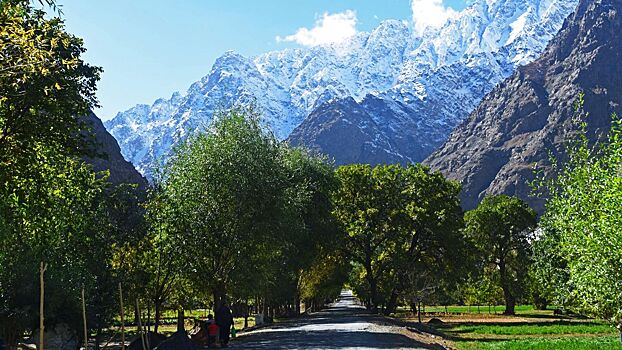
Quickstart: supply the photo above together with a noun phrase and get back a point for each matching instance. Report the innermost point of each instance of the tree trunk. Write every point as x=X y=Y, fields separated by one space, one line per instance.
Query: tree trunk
x=148 y=316
x=297 y=304
x=41 y=301
x=373 y=284
x=247 y=311
x=510 y=300
x=374 y=295
x=122 y=317
x=136 y=316
x=219 y=295
x=180 y=320
x=373 y=288
x=98 y=333
x=392 y=305
x=86 y=333
x=139 y=326
x=158 y=311
x=419 y=311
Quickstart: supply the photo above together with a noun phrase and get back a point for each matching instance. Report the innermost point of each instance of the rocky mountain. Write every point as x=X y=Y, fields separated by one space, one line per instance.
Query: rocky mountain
x=435 y=78
x=109 y=155
x=374 y=130
x=531 y=113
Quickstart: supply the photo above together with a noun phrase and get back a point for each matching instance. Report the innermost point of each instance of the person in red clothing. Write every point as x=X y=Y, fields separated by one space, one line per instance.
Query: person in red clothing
x=213 y=332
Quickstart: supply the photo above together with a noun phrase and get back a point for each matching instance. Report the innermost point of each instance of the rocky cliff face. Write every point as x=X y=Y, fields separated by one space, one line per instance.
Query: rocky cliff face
x=375 y=131
x=109 y=156
x=439 y=76
x=530 y=114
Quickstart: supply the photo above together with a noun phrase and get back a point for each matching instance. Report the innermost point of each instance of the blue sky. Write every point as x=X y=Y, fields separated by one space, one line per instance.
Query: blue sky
x=151 y=48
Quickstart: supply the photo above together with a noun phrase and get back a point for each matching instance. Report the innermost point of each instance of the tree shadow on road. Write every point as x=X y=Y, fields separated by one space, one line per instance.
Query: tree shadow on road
x=334 y=339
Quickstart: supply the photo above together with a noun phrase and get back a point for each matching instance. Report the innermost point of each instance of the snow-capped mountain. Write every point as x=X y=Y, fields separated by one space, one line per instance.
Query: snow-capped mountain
x=530 y=115
x=440 y=75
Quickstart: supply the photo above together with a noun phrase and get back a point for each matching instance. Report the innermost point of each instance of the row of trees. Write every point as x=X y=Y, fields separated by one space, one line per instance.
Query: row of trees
x=409 y=241
x=237 y=215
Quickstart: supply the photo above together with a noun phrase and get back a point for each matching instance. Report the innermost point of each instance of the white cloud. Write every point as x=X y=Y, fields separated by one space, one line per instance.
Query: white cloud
x=430 y=13
x=328 y=29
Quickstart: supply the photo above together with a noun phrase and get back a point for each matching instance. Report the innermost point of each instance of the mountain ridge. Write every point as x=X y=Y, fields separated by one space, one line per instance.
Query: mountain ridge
x=440 y=75
x=530 y=114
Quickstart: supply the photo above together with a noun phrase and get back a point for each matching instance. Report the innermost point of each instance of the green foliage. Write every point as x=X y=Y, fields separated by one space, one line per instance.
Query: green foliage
x=581 y=246
x=501 y=229
x=44 y=85
x=239 y=213
x=48 y=218
x=402 y=226
x=53 y=208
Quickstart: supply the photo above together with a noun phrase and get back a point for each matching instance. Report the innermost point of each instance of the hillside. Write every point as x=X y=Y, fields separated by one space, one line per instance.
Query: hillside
x=530 y=114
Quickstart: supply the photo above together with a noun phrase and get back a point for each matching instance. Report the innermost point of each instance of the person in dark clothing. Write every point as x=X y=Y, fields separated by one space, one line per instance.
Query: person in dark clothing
x=224 y=320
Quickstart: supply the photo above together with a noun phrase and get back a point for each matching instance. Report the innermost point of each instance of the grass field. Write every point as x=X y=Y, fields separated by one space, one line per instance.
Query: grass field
x=574 y=343
x=529 y=329
x=539 y=328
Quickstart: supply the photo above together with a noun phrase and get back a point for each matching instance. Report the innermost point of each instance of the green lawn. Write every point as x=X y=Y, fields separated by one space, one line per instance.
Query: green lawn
x=532 y=329
x=540 y=328
x=574 y=343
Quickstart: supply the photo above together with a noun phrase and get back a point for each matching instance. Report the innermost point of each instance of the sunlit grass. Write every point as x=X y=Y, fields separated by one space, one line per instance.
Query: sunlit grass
x=575 y=343
x=547 y=328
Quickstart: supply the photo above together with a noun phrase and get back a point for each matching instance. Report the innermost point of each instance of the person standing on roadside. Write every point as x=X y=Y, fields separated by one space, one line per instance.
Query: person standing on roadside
x=224 y=320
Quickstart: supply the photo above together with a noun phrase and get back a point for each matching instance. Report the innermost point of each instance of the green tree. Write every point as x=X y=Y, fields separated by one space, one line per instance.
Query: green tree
x=403 y=229
x=430 y=253
x=501 y=227
x=44 y=86
x=581 y=246
x=48 y=196
x=228 y=183
x=47 y=218
x=240 y=215
x=308 y=226
x=365 y=209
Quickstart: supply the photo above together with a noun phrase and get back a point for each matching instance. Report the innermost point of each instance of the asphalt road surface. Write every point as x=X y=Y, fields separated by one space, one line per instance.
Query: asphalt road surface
x=345 y=325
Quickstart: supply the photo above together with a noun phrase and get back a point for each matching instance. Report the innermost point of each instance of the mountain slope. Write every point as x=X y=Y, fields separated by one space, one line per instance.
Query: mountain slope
x=439 y=75
x=530 y=114
x=374 y=131
x=109 y=156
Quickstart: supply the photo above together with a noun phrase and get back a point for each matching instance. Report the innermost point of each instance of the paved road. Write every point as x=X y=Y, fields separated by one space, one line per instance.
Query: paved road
x=345 y=325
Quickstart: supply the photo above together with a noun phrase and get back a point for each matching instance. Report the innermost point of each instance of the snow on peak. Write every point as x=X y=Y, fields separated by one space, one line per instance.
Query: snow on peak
x=440 y=71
